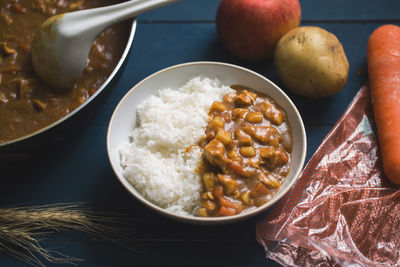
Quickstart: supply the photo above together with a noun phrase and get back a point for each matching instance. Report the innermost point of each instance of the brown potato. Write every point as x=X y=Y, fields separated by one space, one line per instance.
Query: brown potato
x=311 y=62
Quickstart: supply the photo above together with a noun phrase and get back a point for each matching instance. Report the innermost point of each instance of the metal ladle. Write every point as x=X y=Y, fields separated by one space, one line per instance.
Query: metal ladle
x=62 y=44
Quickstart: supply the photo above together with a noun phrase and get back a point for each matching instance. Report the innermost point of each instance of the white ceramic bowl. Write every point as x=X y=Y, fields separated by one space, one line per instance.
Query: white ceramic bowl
x=123 y=121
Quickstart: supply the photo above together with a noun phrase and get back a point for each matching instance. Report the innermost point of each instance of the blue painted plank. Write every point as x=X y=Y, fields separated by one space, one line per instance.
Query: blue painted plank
x=184 y=10
x=78 y=169
x=173 y=254
x=82 y=173
x=312 y=10
x=354 y=10
x=157 y=46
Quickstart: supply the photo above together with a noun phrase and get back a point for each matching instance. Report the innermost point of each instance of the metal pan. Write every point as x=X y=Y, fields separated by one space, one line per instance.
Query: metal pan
x=47 y=136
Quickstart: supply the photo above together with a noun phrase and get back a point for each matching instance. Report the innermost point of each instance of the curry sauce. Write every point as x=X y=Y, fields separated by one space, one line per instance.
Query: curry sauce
x=26 y=103
x=247 y=153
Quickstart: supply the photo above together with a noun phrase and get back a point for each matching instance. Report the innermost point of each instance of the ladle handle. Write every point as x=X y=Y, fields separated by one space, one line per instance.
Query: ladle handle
x=97 y=19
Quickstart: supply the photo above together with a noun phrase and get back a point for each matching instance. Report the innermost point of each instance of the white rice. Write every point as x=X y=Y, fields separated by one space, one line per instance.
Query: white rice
x=155 y=161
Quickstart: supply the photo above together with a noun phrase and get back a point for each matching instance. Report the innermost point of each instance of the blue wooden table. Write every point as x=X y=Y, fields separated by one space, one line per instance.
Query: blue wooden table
x=78 y=170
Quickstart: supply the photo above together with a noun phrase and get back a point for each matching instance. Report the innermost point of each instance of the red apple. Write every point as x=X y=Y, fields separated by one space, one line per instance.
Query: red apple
x=250 y=29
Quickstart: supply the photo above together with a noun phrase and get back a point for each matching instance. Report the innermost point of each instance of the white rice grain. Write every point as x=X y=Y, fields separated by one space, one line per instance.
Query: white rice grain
x=155 y=161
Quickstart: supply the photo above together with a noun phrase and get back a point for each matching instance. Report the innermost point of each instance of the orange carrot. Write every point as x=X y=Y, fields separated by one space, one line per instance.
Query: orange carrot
x=383 y=57
x=226 y=211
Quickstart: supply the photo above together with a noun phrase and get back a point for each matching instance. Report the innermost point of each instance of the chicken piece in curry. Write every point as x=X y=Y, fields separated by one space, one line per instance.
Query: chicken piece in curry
x=247 y=153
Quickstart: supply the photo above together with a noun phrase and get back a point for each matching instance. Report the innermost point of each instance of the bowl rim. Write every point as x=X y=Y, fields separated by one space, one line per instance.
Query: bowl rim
x=207 y=220
x=98 y=91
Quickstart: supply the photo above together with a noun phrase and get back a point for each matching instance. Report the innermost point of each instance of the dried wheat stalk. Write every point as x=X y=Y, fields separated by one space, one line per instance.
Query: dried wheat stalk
x=22 y=229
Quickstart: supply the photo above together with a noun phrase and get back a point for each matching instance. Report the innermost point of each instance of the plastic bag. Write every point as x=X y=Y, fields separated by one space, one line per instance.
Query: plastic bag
x=341 y=211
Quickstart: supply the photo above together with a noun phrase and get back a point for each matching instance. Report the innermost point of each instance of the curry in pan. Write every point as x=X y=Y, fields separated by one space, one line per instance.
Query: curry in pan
x=26 y=103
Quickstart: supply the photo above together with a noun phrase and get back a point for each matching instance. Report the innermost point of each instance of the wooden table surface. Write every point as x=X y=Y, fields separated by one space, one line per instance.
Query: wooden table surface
x=77 y=170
